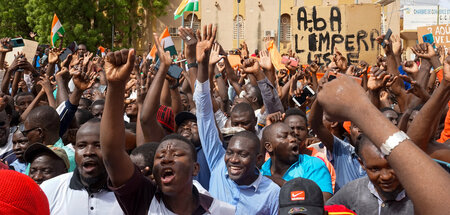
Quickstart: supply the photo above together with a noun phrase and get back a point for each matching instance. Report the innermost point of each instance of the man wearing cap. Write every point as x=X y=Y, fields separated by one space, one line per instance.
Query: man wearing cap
x=83 y=191
x=187 y=127
x=301 y=196
x=46 y=162
x=378 y=193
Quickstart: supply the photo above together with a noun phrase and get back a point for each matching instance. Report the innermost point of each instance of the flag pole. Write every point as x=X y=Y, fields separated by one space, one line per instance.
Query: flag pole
x=182 y=25
x=193 y=13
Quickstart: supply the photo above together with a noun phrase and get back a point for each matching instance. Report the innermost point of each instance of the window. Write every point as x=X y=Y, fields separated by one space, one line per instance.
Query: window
x=285 y=31
x=195 y=22
x=238 y=24
x=173 y=32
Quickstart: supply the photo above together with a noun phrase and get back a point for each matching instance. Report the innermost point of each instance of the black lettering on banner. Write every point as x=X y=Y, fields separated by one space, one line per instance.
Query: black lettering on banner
x=374 y=33
x=312 y=42
x=296 y=45
x=349 y=41
x=301 y=18
x=336 y=39
x=353 y=57
x=361 y=35
x=335 y=16
x=326 y=58
x=324 y=39
x=316 y=21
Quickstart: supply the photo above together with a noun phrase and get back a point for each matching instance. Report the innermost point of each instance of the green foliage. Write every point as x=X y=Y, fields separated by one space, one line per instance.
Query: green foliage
x=85 y=21
x=12 y=19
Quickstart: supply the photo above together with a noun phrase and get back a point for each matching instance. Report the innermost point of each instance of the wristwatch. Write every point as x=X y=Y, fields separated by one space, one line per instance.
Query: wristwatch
x=195 y=64
x=218 y=76
x=392 y=142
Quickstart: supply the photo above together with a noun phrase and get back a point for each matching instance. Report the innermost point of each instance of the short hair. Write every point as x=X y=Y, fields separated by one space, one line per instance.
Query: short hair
x=361 y=142
x=98 y=102
x=250 y=136
x=94 y=120
x=88 y=101
x=82 y=116
x=16 y=97
x=45 y=117
x=257 y=93
x=147 y=150
x=176 y=136
x=295 y=112
x=242 y=108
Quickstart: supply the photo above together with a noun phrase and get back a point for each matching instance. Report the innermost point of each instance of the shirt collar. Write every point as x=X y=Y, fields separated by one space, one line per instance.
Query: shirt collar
x=255 y=184
x=372 y=190
x=204 y=201
x=76 y=184
x=265 y=169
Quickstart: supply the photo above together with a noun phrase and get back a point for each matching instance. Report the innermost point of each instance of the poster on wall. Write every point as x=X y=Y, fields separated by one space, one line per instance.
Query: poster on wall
x=418 y=16
x=352 y=29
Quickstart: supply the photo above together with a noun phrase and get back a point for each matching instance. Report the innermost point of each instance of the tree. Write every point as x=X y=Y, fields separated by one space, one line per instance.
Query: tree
x=12 y=19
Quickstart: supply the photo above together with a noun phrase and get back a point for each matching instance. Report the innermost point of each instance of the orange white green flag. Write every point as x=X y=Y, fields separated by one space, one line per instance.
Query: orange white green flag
x=186 y=6
x=166 y=40
x=56 y=27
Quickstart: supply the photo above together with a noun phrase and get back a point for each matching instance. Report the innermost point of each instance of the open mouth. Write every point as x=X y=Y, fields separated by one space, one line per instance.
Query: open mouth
x=295 y=149
x=186 y=134
x=167 y=176
x=89 y=166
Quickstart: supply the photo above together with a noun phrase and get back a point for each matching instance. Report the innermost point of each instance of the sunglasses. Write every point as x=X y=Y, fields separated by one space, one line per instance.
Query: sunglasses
x=25 y=132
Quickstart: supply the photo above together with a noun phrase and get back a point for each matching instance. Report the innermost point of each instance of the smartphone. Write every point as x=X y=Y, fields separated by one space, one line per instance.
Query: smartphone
x=294 y=62
x=16 y=42
x=175 y=71
x=386 y=37
x=69 y=50
x=284 y=60
x=428 y=38
x=307 y=92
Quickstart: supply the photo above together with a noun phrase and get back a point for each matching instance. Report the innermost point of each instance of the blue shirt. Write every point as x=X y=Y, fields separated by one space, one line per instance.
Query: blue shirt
x=19 y=167
x=308 y=167
x=345 y=162
x=204 y=174
x=260 y=197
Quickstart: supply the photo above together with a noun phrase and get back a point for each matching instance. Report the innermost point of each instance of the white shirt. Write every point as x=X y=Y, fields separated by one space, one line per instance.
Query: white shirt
x=65 y=200
x=217 y=207
x=8 y=147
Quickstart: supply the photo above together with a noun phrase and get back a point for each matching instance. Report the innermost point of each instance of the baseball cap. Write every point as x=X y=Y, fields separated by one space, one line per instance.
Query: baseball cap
x=183 y=116
x=165 y=117
x=301 y=196
x=39 y=148
x=19 y=194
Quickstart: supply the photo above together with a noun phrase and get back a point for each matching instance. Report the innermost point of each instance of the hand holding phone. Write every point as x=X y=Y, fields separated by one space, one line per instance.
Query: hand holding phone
x=307 y=92
x=387 y=36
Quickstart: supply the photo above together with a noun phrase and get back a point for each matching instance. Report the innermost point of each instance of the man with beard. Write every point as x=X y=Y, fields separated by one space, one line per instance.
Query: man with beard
x=378 y=193
x=20 y=145
x=84 y=191
x=187 y=127
x=286 y=162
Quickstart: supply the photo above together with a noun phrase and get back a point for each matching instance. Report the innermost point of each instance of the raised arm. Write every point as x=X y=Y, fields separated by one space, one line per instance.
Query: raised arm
x=424 y=125
x=118 y=164
x=151 y=129
x=338 y=97
x=315 y=120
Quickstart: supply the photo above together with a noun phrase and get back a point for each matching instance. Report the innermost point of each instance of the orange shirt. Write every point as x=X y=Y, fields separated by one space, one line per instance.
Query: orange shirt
x=445 y=134
x=324 y=158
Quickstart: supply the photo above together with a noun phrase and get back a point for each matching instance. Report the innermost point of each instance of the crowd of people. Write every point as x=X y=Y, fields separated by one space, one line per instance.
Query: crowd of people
x=119 y=134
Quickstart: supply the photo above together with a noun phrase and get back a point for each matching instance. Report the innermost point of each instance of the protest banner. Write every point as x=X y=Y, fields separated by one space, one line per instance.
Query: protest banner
x=29 y=50
x=317 y=30
x=441 y=35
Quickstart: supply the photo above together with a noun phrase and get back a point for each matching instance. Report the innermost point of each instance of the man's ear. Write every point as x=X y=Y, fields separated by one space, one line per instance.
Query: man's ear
x=361 y=162
x=269 y=147
x=260 y=159
x=196 y=169
x=334 y=124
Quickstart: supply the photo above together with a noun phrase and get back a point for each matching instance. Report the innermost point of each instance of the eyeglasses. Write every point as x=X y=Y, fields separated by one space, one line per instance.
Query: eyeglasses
x=25 y=133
